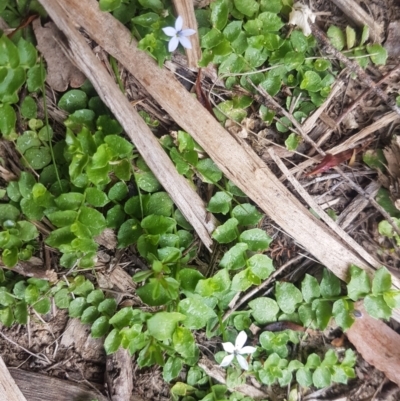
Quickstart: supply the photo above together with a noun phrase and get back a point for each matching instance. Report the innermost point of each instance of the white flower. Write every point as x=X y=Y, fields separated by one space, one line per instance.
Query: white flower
x=299 y=16
x=178 y=35
x=237 y=350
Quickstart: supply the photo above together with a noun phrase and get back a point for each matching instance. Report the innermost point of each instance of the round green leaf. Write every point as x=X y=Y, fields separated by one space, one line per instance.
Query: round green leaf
x=247 y=7
x=38 y=158
x=235 y=257
x=220 y=203
x=100 y=327
x=8 y=119
x=112 y=341
x=73 y=100
x=376 y=306
x=42 y=306
x=288 y=296
x=77 y=306
x=310 y=288
x=264 y=310
x=28 y=108
x=163 y=324
x=256 y=239
x=197 y=313
x=311 y=82
x=227 y=232
x=219 y=14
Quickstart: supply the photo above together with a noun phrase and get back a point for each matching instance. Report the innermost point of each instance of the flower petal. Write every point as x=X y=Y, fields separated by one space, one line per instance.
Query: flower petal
x=242 y=362
x=240 y=340
x=178 y=23
x=229 y=347
x=169 y=31
x=227 y=360
x=247 y=350
x=173 y=44
x=187 y=32
x=185 y=42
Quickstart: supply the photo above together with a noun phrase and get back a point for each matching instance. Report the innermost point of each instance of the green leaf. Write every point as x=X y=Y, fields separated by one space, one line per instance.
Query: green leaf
x=271 y=22
x=210 y=173
x=189 y=279
x=77 y=306
x=264 y=310
x=160 y=204
x=215 y=285
x=287 y=296
x=37 y=158
x=28 y=108
x=27 y=53
x=163 y=324
x=154 y=224
x=89 y=315
x=350 y=37
x=392 y=298
x=256 y=239
x=261 y=266
x=62 y=298
x=112 y=341
x=321 y=377
x=382 y=281
x=109 y=5
x=172 y=368
x=197 y=313
x=36 y=77
x=272 y=84
x=42 y=306
x=227 y=232
x=93 y=219
x=147 y=181
x=235 y=257
x=304 y=377
x=310 y=288
x=292 y=141
x=6 y=316
x=129 y=233
x=8 y=119
x=212 y=39
x=364 y=35
x=21 y=312
x=108 y=306
x=63 y=217
x=27 y=231
x=377 y=53
x=337 y=37
x=246 y=214
x=247 y=7
x=123 y=318
x=359 y=285
x=323 y=312
x=220 y=203
x=311 y=82
x=299 y=41
x=330 y=285
x=73 y=100
x=8 y=212
x=219 y=14
x=120 y=147
x=100 y=327
x=376 y=306
x=118 y=192
x=154 y=5
x=232 y=30
x=95 y=197
x=69 y=201
x=10 y=257
x=342 y=312
x=184 y=343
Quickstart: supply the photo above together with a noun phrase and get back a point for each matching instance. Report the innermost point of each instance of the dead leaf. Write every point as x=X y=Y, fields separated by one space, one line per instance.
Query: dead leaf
x=378 y=344
x=61 y=73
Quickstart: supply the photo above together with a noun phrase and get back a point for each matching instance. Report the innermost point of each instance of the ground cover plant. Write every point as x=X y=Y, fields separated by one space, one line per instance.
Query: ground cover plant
x=84 y=178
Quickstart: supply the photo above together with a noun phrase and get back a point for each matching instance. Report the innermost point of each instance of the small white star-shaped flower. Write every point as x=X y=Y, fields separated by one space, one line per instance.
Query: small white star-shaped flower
x=178 y=35
x=299 y=16
x=237 y=351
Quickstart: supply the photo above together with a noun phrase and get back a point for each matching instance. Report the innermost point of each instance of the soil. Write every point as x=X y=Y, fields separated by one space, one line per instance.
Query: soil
x=54 y=351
